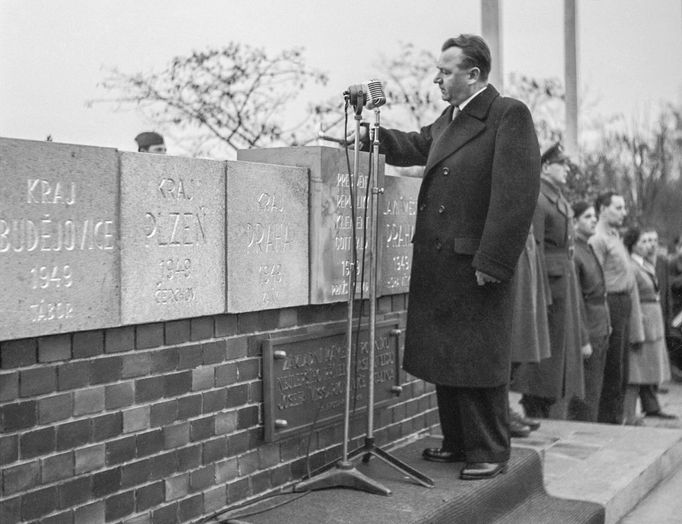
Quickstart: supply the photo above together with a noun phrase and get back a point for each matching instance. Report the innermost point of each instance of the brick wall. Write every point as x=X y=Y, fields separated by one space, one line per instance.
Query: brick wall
x=161 y=422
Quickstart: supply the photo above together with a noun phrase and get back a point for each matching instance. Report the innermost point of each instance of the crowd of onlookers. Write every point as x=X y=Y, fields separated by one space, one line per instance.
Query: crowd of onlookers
x=600 y=327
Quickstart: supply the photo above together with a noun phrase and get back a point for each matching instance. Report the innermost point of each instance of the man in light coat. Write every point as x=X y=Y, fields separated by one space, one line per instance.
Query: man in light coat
x=475 y=207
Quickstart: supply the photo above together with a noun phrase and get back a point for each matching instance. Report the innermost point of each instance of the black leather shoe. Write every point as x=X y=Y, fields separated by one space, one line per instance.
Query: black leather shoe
x=518 y=430
x=442 y=455
x=515 y=416
x=482 y=470
x=661 y=414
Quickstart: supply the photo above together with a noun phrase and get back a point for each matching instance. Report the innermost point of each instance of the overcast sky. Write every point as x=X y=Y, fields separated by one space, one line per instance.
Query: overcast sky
x=53 y=53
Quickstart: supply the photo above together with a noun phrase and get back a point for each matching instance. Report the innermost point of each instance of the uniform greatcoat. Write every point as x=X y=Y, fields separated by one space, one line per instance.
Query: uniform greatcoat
x=474 y=210
x=560 y=375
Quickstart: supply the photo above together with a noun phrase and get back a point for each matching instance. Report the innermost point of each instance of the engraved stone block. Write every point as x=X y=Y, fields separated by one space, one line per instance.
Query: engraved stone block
x=332 y=221
x=397 y=215
x=304 y=375
x=59 y=257
x=172 y=237
x=267 y=236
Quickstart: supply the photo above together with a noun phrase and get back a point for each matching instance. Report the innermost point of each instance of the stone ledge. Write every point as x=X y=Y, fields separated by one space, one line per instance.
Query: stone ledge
x=616 y=466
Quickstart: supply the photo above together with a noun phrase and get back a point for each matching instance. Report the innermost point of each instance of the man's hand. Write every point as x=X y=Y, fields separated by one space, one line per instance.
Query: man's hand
x=483 y=278
x=586 y=350
x=350 y=138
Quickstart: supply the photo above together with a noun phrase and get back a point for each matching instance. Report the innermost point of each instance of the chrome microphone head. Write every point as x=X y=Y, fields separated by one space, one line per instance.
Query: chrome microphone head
x=375 y=94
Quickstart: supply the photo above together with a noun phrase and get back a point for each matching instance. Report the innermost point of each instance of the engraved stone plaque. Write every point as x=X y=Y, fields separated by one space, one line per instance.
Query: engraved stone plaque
x=59 y=257
x=331 y=218
x=267 y=236
x=397 y=215
x=172 y=237
x=304 y=376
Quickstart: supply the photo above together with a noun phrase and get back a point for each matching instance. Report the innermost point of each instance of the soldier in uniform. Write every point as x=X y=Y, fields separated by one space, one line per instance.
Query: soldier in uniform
x=561 y=375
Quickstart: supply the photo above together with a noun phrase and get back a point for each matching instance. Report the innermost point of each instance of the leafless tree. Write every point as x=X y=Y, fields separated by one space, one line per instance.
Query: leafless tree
x=221 y=100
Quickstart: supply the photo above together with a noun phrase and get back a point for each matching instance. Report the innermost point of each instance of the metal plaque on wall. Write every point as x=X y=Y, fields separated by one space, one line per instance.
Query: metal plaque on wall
x=304 y=375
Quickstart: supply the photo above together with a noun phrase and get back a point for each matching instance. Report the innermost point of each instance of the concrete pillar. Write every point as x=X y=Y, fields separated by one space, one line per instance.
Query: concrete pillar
x=491 y=29
x=571 y=76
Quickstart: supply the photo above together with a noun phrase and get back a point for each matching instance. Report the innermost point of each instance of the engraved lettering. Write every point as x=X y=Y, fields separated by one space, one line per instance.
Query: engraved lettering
x=54 y=235
x=41 y=191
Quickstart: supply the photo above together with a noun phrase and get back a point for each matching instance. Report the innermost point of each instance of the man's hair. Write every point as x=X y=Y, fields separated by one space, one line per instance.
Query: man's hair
x=580 y=207
x=476 y=52
x=631 y=236
x=604 y=200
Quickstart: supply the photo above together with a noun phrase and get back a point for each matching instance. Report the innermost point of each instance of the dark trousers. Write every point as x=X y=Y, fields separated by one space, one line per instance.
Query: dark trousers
x=615 y=369
x=536 y=407
x=475 y=422
x=647 y=397
x=587 y=409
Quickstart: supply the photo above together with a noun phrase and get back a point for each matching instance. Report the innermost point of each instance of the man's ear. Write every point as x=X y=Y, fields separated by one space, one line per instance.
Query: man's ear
x=474 y=74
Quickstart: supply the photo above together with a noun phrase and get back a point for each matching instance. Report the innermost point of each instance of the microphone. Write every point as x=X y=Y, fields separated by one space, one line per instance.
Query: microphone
x=369 y=93
x=376 y=96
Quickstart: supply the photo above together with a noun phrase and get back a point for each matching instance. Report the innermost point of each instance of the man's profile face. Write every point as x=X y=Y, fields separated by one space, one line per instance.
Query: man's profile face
x=453 y=82
x=586 y=222
x=614 y=213
x=556 y=172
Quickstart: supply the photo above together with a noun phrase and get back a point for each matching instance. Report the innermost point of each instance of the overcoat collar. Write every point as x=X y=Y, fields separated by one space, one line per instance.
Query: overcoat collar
x=449 y=135
x=647 y=267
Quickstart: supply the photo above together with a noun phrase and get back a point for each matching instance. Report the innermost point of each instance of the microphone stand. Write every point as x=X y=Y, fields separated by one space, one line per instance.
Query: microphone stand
x=344 y=474
x=370 y=448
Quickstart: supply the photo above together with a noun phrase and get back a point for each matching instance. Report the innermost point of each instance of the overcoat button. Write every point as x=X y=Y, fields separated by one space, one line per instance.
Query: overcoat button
x=441 y=209
x=438 y=245
x=446 y=171
x=422 y=207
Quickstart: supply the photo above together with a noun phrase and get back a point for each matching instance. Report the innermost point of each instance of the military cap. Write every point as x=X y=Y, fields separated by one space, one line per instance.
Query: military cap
x=148 y=138
x=554 y=155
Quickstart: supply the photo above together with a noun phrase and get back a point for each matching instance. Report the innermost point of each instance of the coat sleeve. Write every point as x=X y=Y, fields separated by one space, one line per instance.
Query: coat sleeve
x=401 y=148
x=636 y=323
x=514 y=189
x=580 y=284
x=599 y=247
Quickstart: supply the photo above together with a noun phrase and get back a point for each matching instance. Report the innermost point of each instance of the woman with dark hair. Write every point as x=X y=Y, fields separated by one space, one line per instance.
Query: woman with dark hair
x=648 y=360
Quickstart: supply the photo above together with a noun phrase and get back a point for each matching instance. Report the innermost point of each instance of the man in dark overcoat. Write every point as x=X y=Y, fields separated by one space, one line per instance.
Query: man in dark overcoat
x=475 y=206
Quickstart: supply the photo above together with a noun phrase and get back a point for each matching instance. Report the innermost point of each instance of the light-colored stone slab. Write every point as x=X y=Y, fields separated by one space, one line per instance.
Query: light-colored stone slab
x=610 y=464
x=267 y=236
x=172 y=237
x=397 y=215
x=58 y=238
x=331 y=220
